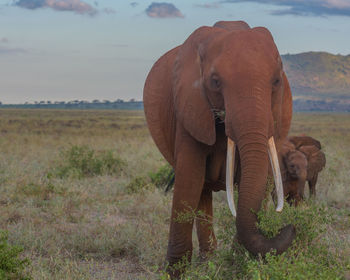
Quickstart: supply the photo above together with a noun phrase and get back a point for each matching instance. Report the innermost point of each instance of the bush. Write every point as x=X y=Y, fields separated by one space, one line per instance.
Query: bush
x=82 y=161
x=163 y=177
x=310 y=256
x=296 y=264
x=11 y=266
x=139 y=184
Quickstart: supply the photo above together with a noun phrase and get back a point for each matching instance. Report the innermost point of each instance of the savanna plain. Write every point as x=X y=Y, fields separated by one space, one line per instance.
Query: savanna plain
x=82 y=197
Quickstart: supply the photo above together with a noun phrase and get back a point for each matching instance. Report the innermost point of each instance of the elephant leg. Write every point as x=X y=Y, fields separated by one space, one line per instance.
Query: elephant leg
x=291 y=192
x=300 y=192
x=293 y=197
x=189 y=181
x=312 y=186
x=204 y=224
x=290 y=199
x=297 y=199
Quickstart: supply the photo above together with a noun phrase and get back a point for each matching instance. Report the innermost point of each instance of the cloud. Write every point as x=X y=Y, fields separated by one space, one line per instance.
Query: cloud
x=163 y=10
x=6 y=51
x=208 y=5
x=4 y=40
x=305 y=8
x=77 y=6
x=109 y=11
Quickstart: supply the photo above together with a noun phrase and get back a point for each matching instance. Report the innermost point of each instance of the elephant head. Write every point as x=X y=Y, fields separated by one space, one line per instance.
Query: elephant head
x=295 y=163
x=224 y=82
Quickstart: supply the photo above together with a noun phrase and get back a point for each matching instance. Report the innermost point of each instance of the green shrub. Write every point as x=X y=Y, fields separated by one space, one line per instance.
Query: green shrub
x=159 y=179
x=82 y=161
x=139 y=184
x=310 y=220
x=11 y=265
x=163 y=177
x=310 y=256
x=296 y=264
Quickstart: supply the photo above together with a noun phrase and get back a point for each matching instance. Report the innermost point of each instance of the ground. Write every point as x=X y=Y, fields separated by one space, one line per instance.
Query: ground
x=76 y=193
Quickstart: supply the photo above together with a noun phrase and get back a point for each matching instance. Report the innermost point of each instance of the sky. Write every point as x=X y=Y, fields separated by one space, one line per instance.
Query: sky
x=63 y=50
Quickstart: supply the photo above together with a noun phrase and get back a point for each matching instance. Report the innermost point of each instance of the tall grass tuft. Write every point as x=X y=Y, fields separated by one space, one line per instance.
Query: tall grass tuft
x=82 y=161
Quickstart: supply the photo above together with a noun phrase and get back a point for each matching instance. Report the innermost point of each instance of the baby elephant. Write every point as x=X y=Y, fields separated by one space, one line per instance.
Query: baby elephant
x=302 y=160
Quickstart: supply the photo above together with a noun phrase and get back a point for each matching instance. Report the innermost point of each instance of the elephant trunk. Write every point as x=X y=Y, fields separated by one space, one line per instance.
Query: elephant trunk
x=254 y=157
x=250 y=124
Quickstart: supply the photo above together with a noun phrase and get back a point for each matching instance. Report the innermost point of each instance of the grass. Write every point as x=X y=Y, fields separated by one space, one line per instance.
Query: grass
x=109 y=217
x=82 y=161
x=11 y=266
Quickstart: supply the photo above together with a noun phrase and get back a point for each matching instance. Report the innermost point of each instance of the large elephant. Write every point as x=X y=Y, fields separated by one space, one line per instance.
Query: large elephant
x=224 y=84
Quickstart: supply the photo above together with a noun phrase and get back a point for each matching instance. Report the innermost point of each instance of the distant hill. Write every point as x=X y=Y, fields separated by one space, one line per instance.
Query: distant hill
x=318 y=75
x=105 y=105
x=320 y=81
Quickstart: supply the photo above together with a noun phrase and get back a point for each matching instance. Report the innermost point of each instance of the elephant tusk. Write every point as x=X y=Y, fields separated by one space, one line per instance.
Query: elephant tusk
x=276 y=173
x=230 y=164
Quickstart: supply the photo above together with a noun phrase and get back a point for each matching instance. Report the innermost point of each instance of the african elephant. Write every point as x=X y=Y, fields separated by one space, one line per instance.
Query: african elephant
x=302 y=160
x=220 y=101
x=316 y=161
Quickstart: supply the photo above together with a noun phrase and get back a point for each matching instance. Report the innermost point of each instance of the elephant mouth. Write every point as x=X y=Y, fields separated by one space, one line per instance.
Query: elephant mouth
x=230 y=159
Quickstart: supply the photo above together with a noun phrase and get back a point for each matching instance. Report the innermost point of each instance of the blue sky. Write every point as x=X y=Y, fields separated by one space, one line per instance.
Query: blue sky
x=103 y=49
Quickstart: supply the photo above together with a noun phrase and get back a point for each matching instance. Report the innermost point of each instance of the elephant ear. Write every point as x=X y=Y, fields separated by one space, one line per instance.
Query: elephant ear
x=191 y=105
x=286 y=147
x=316 y=159
x=299 y=141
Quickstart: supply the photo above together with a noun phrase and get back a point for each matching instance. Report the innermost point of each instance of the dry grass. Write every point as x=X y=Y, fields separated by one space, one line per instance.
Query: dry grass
x=93 y=228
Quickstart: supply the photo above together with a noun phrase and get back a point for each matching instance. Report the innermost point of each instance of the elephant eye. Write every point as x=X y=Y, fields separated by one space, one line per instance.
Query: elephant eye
x=215 y=82
x=276 y=82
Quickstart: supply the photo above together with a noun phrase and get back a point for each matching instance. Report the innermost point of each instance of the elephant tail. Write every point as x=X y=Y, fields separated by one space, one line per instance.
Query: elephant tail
x=170 y=181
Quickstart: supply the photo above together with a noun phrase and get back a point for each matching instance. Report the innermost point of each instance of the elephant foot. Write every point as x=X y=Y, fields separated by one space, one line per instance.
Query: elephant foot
x=174 y=273
x=177 y=265
x=207 y=245
x=204 y=255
